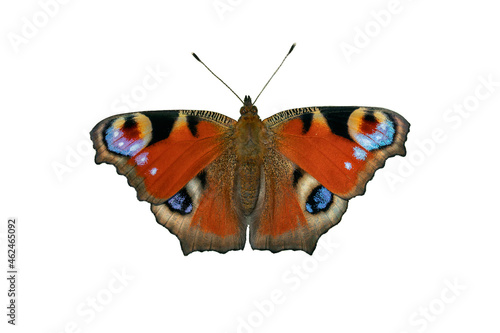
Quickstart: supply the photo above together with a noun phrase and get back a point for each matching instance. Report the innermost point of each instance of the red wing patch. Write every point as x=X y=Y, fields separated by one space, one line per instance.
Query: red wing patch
x=341 y=147
x=282 y=212
x=334 y=161
x=203 y=214
x=168 y=165
x=161 y=151
x=216 y=212
x=296 y=209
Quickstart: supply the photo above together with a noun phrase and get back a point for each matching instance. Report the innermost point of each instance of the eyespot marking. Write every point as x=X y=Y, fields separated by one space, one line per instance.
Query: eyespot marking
x=128 y=135
x=181 y=202
x=371 y=129
x=319 y=200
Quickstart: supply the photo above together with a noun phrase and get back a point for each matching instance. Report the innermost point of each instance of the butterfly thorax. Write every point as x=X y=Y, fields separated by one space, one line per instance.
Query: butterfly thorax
x=250 y=138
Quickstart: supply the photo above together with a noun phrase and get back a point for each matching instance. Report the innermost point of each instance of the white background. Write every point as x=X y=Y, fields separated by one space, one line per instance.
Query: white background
x=427 y=222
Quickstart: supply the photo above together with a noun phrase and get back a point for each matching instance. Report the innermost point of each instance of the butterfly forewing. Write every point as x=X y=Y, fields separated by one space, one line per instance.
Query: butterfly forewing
x=341 y=147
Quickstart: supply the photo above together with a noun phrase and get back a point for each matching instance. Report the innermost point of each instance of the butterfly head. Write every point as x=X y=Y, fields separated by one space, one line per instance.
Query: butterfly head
x=248 y=107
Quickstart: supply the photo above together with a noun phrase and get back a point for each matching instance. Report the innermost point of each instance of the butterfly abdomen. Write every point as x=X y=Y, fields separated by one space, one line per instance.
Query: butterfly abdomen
x=248 y=186
x=250 y=135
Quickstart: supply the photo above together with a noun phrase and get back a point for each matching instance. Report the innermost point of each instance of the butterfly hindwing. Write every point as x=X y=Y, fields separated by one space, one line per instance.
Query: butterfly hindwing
x=203 y=215
x=297 y=209
x=176 y=160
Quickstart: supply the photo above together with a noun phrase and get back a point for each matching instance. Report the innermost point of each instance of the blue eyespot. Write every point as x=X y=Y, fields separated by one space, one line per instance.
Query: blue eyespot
x=118 y=143
x=383 y=136
x=319 y=200
x=181 y=202
x=128 y=135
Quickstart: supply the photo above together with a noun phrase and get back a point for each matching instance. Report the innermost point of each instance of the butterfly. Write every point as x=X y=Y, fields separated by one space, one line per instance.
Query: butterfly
x=287 y=178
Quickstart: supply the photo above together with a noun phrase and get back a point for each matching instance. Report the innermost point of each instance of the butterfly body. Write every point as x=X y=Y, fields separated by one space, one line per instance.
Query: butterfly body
x=251 y=138
x=287 y=178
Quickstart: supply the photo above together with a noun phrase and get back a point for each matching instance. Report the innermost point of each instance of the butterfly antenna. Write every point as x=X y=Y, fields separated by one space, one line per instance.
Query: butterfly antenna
x=197 y=58
x=290 y=51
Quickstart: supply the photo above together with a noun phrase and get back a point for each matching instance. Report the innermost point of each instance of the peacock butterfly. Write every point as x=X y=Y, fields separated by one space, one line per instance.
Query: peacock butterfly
x=288 y=177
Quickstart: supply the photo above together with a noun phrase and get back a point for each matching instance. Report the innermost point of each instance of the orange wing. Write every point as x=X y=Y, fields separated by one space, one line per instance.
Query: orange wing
x=203 y=214
x=297 y=209
x=319 y=158
x=341 y=147
x=176 y=160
